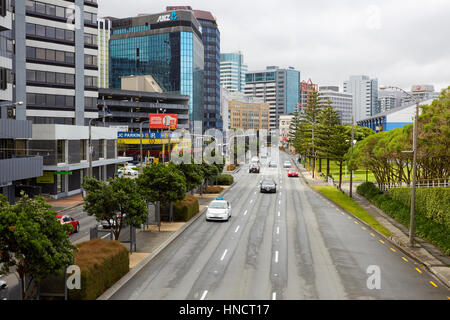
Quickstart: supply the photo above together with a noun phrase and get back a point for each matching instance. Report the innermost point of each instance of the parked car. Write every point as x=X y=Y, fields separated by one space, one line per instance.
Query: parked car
x=268 y=185
x=287 y=164
x=3 y=290
x=219 y=209
x=254 y=168
x=107 y=225
x=64 y=219
x=293 y=172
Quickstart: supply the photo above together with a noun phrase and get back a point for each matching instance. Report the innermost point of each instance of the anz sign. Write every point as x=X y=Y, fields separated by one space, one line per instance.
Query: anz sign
x=167 y=17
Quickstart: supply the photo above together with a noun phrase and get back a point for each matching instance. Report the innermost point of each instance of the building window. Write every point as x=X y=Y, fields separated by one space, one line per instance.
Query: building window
x=61 y=151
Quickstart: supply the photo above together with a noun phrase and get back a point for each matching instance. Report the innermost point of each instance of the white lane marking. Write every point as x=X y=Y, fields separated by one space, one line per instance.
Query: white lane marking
x=279 y=202
x=245 y=213
x=276 y=256
x=235 y=231
x=106 y=235
x=278 y=230
x=204 y=295
x=255 y=192
x=279 y=213
x=251 y=201
x=274 y=296
x=224 y=254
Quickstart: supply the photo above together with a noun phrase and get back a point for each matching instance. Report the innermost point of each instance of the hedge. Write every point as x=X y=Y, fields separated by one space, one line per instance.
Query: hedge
x=231 y=167
x=185 y=209
x=225 y=180
x=434 y=203
x=102 y=264
x=425 y=227
x=213 y=190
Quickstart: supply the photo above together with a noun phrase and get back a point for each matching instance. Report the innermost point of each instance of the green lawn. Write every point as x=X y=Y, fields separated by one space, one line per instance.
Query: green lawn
x=358 y=175
x=351 y=206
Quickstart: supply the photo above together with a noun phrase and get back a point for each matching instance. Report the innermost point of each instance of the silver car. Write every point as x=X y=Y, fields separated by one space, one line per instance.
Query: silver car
x=219 y=209
x=287 y=164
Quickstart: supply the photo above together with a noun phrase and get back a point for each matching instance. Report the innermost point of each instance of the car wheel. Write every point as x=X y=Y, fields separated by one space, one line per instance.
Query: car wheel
x=78 y=228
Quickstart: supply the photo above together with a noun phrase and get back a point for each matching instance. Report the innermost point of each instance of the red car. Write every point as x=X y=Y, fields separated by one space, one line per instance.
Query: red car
x=69 y=220
x=292 y=172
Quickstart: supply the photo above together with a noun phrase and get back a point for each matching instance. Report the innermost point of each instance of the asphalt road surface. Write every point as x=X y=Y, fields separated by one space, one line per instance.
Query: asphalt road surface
x=288 y=245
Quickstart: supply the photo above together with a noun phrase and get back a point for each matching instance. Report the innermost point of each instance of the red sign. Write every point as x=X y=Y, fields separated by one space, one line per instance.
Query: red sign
x=163 y=121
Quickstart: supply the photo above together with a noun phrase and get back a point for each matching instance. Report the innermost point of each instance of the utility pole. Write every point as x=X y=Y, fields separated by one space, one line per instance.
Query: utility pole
x=413 y=190
x=140 y=133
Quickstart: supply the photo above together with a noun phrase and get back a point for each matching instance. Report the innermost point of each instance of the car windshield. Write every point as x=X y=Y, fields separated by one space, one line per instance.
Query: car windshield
x=268 y=182
x=218 y=205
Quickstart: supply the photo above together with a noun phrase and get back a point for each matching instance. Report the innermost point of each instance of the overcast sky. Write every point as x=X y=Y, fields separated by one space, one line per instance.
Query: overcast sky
x=400 y=42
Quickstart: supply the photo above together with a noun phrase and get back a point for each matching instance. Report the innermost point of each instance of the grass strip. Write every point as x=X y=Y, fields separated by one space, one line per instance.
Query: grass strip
x=351 y=206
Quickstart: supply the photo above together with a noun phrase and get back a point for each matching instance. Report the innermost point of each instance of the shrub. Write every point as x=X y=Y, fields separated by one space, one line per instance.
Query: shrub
x=102 y=264
x=368 y=190
x=433 y=203
x=185 y=209
x=213 y=190
x=231 y=167
x=399 y=209
x=225 y=180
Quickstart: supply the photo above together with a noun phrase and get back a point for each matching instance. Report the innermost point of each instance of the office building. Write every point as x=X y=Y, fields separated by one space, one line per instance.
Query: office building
x=167 y=46
x=104 y=32
x=232 y=71
x=248 y=112
x=224 y=98
x=365 y=95
x=276 y=86
x=211 y=42
x=341 y=102
x=394 y=118
x=56 y=77
x=16 y=166
x=389 y=99
x=421 y=93
x=306 y=87
x=285 y=128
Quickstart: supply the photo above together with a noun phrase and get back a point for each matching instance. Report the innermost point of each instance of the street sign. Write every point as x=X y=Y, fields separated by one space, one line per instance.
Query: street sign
x=67 y=173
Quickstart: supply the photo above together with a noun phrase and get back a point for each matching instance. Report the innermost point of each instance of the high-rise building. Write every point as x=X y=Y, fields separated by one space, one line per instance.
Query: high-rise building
x=224 y=97
x=306 y=87
x=16 y=166
x=56 y=75
x=232 y=71
x=277 y=87
x=421 y=93
x=104 y=32
x=211 y=43
x=365 y=95
x=247 y=112
x=168 y=46
x=341 y=102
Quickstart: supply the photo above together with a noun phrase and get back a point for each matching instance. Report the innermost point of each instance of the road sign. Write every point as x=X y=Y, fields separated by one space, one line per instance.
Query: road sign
x=67 y=173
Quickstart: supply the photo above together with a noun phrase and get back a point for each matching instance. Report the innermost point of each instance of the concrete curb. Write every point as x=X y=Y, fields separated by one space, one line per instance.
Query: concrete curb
x=119 y=284
x=70 y=208
x=437 y=271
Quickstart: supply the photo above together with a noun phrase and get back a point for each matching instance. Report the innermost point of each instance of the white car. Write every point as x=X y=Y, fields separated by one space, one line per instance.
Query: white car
x=287 y=164
x=127 y=172
x=218 y=209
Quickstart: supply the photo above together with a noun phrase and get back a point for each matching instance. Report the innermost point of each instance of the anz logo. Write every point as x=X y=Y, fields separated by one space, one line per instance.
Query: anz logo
x=168 y=17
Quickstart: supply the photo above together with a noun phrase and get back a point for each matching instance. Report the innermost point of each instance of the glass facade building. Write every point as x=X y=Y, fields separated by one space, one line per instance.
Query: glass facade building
x=171 y=51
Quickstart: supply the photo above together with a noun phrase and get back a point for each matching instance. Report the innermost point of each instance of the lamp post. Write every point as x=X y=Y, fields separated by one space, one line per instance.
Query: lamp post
x=352 y=142
x=5 y=105
x=140 y=131
x=414 y=151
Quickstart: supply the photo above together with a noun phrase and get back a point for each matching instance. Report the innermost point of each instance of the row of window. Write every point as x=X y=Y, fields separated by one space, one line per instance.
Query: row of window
x=58 y=33
x=58 y=56
x=58 y=78
x=58 y=101
x=58 y=11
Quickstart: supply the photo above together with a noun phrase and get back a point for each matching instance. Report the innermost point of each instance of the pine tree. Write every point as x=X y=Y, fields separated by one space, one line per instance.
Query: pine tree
x=328 y=120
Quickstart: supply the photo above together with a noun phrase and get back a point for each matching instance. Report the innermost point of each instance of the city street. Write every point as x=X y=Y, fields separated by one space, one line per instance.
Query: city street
x=288 y=245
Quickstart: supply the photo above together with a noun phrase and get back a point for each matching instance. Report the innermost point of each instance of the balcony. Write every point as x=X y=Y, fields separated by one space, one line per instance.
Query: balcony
x=14 y=169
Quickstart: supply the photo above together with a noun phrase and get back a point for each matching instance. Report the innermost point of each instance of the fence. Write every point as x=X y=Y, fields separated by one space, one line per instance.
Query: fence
x=445 y=183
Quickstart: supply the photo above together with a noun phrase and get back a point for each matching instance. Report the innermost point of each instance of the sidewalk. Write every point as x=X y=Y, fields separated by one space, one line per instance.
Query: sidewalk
x=423 y=251
x=64 y=204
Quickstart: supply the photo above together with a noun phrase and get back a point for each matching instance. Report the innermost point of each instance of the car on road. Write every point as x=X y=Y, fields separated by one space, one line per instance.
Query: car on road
x=287 y=164
x=254 y=160
x=254 y=168
x=268 y=185
x=293 y=172
x=273 y=164
x=127 y=171
x=64 y=219
x=219 y=209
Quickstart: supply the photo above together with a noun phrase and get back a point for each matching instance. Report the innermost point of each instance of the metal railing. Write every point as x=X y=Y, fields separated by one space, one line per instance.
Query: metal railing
x=424 y=183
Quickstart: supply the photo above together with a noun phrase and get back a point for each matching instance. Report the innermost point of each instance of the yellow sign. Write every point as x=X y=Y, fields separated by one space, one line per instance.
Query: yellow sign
x=47 y=178
x=147 y=141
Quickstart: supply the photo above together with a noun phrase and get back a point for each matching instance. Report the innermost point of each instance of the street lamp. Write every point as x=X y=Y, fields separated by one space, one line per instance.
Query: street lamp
x=5 y=105
x=90 y=140
x=414 y=151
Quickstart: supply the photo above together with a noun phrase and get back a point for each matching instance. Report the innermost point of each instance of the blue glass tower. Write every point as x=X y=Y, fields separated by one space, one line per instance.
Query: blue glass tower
x=167 y=46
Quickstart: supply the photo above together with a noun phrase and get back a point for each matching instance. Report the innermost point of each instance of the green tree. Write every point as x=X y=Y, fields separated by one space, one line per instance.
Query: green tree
x=33 y=241
x=119 y=201
x=328 y=120
x=339 y=146
x=193 y=174
x=210 y=171
x=164 y=183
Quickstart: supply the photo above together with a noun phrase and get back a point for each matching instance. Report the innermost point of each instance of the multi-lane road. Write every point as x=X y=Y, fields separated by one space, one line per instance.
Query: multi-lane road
x=290 y=245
